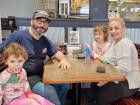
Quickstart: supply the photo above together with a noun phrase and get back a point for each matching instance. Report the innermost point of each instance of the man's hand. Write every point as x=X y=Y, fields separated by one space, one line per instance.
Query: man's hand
x=63 y=64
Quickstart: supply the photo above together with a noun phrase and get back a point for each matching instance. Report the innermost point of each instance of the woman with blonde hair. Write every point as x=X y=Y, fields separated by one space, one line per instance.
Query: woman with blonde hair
x=123 y=55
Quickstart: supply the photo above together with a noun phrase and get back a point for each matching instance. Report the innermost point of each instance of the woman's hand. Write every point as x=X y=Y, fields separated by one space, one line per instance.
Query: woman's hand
x=100 y=58
x=100 y=84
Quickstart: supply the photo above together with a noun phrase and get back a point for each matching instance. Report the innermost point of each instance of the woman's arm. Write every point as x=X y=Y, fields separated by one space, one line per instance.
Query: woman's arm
x=124 y=56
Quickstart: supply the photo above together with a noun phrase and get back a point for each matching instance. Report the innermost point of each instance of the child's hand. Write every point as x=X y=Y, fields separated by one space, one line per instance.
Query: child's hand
x=31 y=96
x=34 y=98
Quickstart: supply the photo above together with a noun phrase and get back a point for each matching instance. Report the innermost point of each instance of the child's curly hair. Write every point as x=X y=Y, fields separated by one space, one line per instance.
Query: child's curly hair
x=103 y=29
x=15 y=49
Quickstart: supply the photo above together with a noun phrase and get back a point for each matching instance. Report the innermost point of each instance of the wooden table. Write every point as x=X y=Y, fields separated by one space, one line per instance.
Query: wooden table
x=82 y=71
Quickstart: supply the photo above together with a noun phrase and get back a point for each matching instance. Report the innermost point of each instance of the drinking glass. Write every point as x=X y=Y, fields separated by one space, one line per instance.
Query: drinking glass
x=87 y=53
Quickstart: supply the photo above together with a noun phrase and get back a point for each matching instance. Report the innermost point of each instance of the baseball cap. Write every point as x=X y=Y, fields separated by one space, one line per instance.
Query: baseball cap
x=41 y=13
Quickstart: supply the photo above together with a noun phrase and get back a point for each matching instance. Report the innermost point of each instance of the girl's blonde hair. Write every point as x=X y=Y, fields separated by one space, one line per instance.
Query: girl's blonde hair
x=15 y=49
x=103 y=29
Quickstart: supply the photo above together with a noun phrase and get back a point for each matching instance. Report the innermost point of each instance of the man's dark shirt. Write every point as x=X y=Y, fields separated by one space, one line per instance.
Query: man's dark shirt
x=37 y=50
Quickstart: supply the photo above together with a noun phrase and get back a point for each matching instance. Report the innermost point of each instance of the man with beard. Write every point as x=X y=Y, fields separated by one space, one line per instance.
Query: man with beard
x=38 y=46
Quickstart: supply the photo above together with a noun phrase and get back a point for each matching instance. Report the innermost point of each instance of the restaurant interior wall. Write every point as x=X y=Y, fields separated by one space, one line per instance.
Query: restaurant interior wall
x=98 y=15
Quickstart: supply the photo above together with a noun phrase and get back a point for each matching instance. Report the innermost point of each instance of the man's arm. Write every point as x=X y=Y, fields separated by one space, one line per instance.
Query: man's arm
x=63 y=64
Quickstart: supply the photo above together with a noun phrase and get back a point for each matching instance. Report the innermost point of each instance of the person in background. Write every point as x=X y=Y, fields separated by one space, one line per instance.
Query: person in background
x=101 y=44
x=38 y=47
x=14 y=87
x=123 y=55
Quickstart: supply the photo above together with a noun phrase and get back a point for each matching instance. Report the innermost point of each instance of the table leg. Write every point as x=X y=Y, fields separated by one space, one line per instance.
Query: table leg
x=76 y=87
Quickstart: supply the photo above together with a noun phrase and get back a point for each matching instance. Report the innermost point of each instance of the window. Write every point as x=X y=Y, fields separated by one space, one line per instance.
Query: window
x=127 y=9
x=74 y=8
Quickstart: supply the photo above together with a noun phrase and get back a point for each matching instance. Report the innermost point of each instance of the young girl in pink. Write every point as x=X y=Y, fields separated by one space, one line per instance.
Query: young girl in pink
x=14 y=87
x=101 y=44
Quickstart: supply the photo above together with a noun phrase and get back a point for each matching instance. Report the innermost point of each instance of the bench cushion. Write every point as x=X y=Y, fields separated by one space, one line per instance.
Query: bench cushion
x=128 y=101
